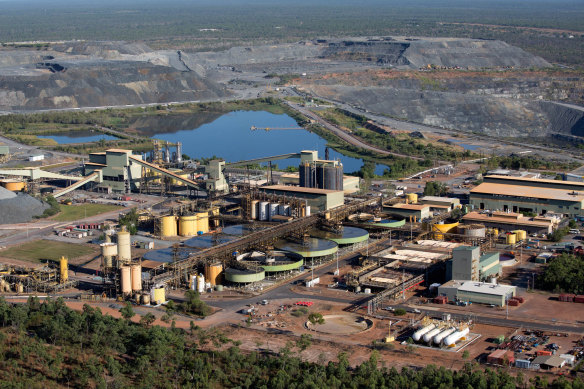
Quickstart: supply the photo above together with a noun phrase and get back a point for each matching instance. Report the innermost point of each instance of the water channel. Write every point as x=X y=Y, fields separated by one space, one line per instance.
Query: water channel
x=77 y=137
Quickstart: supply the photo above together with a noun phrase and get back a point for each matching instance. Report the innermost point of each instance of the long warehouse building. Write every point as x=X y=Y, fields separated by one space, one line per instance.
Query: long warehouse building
x=513 y=194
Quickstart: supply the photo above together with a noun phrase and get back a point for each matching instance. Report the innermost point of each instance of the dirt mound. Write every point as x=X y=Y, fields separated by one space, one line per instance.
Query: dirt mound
x=101 y=49
x=20 y=208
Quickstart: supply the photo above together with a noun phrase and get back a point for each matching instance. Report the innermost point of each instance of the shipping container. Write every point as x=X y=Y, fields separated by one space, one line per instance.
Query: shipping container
x=579 y=298
x=513 y=303
x=542 y=352
x=521 y=299
x=567 y=297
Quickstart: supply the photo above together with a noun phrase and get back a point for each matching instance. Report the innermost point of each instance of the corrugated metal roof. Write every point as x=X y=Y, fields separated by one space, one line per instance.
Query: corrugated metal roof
x=535 y=180
x=300 y=189
x=486 y=288
x=477 y=217
x=414 y=207
x=527 y=191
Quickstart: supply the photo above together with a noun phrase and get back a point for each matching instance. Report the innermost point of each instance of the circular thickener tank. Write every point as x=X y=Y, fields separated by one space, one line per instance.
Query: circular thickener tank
x=124 y=246
x=210 y=240
x=13 y=185
x=254 y=209
x=241 y=229
x=263 y=210
x=158 y=295
x=136 y=277
x=244 y=276
x=511 y=238
x=187 y=225
x=274 y=261
x=213 y=273
x=126 y=279
x=202 y=222
x=312 y=247
x=169 y=254
x=167 y=226
x=412 y=198
x=349 y=235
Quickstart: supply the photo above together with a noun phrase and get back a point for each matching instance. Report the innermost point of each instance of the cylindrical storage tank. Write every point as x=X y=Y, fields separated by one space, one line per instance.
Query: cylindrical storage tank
x=202 y=222
x=187 y=225
x=136 y=277
x=193 y=282
x=412 y=198
x=428 y=336
x=367 y=291
x=20 y=288
x=263 y=210
x=219 y=288
x=213 y=272
x=201 y=283
x=308 y=210
x=137 y=298
x=440 y=337
x=108 y=261
x=474 y=230
x=496 y=231
x=109 y=249
x=167 y=226
x=64 y=269
x=158 y=295
x=273 y=210
x=126 y=279
x=13 y=185
x=124 y=246
x=451 y=339
x=419 y=333
x=511 y=238
x=254 y=209
x=521 y=234
x=146 y=299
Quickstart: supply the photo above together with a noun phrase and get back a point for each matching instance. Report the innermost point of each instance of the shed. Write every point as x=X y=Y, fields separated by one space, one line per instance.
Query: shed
x=549 y=362
x=570 y=359
x=501 y=357
x=523 y=363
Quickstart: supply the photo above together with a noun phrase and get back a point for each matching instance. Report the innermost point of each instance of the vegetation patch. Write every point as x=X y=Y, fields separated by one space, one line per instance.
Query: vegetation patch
x=80 y=211
x=43 y=250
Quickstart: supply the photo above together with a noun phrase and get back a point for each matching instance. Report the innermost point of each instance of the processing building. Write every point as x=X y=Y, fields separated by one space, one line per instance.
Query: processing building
x=539 y=196
x=318 y=173
x=477 y=292
x=119 y=173
x=467 y=263
x=509 y=221
x=316 y=199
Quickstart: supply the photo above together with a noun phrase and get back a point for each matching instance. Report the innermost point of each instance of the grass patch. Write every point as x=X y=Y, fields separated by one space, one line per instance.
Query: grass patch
x=80 y=211
x=42 y=250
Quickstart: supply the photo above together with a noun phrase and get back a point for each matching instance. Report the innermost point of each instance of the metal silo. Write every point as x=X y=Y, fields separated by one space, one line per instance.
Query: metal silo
x=136 y=277
x=320 y=173
x=272 y=210
x=126 y=279
x=124 y=246
x=254 y=209
x=213 y=272
x=108 y=251
x=305 y=175
x=201 y=283
x=64 y=269
x=187 y=225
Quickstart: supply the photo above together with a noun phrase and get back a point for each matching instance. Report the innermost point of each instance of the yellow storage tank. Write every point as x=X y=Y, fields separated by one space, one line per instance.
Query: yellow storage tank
x=64 y=269
x=449 y=228
x=145 y=299
x=202 y=222
x=136 y=277
x=158 y=295
x=168 y=226
x=174 y=181
x=511 y=238
x=126 y=279
x=213 y=273
x=13 y=185
x=187 y=225
x=495 y=231
x=521 y=234
x=411 y=198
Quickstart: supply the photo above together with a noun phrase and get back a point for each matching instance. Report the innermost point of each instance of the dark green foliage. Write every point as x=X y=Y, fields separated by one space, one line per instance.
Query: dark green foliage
x=49 y=345
x=435 y=188
x=54 y=209
x=564 y=274
x=316 y=318
x=130 y=220
x=559 y=234
x=194 y=305
x=399 y=312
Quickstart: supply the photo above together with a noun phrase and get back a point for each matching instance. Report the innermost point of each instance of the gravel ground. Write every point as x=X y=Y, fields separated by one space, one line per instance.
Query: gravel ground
x=20 y=208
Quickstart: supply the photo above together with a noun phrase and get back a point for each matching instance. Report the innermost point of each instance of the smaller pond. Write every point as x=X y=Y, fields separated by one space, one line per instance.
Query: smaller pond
x=77 y=137
x=465 y=146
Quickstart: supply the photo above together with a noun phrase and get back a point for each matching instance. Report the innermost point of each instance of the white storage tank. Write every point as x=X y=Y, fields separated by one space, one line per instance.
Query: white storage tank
x=254 y=209
x=201 y=283
x=440 y=337
x=451 y=340
x=419 y=333
x=308 y=210
x=263 y=210
x=430 y=334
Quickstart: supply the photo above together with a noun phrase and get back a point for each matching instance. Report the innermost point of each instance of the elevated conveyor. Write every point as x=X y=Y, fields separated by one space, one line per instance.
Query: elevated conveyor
x=167 y=173
x=96 y=177
x=264 y=159
x=36 y=173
